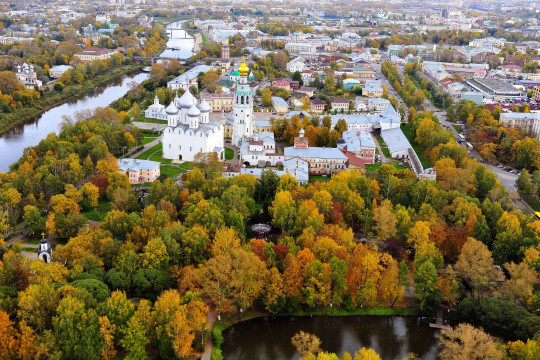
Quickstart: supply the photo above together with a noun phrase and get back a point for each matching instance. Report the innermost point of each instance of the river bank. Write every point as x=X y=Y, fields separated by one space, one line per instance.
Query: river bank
x=228 y=320
x=49 y=101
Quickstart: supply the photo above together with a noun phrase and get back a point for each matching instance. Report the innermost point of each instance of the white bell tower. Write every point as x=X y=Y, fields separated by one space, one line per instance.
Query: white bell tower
x=243 y=122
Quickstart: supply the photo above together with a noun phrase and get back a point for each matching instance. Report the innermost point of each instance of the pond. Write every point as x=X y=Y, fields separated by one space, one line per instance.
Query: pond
x=392 y=337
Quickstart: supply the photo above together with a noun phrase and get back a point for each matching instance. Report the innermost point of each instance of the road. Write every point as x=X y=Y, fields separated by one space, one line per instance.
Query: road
x=508 y=180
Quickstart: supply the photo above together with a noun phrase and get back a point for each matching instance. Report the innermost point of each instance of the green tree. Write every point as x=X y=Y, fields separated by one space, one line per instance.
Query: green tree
x=76 y=330
x=33 y=221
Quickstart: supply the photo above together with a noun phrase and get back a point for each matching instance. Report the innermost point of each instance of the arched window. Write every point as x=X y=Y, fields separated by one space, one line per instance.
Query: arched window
x=242 y=100
x=247 y=99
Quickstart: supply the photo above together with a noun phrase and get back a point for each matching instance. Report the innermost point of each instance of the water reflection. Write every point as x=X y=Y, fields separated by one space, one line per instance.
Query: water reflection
x=269 y=338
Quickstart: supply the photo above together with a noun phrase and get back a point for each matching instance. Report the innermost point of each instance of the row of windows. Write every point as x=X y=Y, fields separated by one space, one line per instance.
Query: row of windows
x=180 y=148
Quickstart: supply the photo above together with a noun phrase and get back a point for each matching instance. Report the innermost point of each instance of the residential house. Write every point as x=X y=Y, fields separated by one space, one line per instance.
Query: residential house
x=139 y=171
x=339 y=105
x=317 y=106
x=372 y=89
x=280 y=105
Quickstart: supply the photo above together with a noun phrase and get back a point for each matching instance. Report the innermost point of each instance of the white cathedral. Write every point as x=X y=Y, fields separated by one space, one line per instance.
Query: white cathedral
x=189 y=130
x=242 y=114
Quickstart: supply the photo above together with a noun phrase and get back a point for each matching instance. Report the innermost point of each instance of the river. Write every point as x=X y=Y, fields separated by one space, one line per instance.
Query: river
x=13 y=142
x=269 y=338
x=180 y=45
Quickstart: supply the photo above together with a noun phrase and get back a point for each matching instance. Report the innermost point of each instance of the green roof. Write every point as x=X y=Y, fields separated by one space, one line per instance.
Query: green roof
x=235 y=73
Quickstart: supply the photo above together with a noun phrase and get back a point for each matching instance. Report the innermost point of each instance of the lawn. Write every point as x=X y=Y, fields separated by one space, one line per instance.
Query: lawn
x=381 y=142
x=171 y=170
x=204 y=39
x=426 y=163
x=158 y=156
x=386 y=152
x=375 y=167
x=147 y=140
x=34 y=240
x=229 y=153
x=98 y=213
x=187 y=165
x=145 y=155
x=319 y=178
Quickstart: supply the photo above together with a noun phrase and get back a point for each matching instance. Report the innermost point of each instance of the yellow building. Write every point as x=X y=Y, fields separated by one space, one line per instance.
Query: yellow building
x=219 y=102
x=92 y=54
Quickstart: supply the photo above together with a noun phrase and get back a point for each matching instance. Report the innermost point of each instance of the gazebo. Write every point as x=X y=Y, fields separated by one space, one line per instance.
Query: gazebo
x=261 y=230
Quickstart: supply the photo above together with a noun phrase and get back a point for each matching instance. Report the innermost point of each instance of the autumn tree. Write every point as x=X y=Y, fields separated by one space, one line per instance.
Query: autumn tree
x=210 y=81
x=306 y=343
x=522 y=281
x=283 y=210
x=466 y=342
x=236 y=278
x=475 y=265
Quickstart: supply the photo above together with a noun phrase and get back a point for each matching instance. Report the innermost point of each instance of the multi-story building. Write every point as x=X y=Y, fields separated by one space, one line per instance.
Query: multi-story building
x=372 y=88
x=360 y=143
x=189 y=78
x=139 y=171
x=91 y=54
x=378 y=104
x=317 y=106
x=339 y=105
x=321 y=160
x=260 y=151
x=529 y=122
x=279 y=105
x=295 y=48
x=296 y=64
x=56 y=71
x=219 y=102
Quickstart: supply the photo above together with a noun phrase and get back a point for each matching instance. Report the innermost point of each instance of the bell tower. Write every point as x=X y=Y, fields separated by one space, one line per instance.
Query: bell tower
x=243 y=123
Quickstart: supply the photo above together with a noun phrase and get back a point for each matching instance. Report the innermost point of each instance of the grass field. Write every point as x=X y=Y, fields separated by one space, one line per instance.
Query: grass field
x=386 y=152
x=149 y=139
x=158 y=156
x=229 y=153
x=98 y=213
x=145 y=155
x=426 y=163
x=375 y=167
x=204 y=38
x=171 y=170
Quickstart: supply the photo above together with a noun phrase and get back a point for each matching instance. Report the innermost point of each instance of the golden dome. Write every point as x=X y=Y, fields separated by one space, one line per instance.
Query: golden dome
x=243 y=69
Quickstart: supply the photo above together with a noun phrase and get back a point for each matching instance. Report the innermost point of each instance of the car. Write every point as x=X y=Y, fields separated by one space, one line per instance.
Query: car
x=481 y=161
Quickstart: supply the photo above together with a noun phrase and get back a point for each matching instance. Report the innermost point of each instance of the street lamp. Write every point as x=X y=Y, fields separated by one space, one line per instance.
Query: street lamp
x=202 y=336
